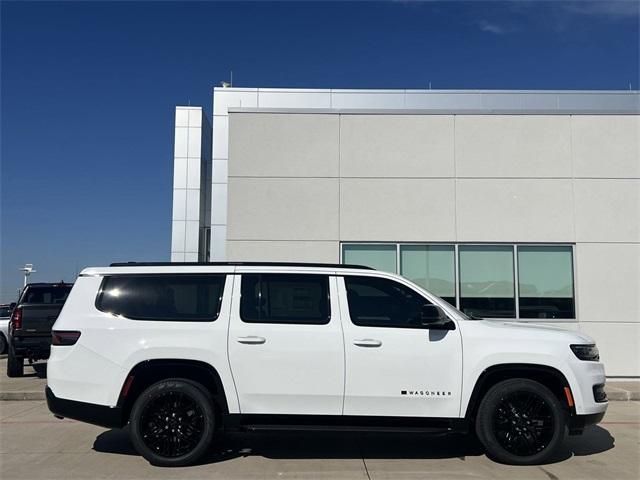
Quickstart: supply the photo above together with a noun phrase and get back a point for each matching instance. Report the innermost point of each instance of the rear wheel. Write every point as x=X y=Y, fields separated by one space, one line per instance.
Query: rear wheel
x=173 y=422
x=3 y=344
x=520 y=422
x=15 y=364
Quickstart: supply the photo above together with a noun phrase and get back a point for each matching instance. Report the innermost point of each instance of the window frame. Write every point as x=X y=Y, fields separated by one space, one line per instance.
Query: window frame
x=325 y=321
x=515 y=246
x=101 y=291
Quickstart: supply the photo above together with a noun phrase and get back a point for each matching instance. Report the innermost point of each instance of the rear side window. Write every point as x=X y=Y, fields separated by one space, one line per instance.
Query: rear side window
x=46 y=295
x=285 y=298
x=192 y=298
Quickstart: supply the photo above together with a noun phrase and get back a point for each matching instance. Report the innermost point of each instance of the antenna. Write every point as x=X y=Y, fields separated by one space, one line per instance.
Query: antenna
x=429 y=85
x=231 y=79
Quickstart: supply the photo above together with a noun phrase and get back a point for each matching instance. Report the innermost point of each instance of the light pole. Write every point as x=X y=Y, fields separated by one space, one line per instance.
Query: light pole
x=28 y=270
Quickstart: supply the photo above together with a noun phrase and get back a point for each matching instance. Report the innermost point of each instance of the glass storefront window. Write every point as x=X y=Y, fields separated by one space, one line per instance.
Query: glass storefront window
x=431 y=267
x=380 y=257
x=485 y=275
x=486 y=281
x=545 y=282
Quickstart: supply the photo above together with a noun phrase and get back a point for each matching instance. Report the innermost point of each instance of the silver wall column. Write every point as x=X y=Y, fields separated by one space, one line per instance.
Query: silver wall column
x=191 y=181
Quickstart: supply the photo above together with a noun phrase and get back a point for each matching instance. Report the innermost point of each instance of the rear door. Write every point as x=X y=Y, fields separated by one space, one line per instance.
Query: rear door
x=394 y=365
x=286 y=346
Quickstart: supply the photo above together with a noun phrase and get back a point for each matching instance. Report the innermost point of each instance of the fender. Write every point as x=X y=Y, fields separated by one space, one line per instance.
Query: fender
x=149 y=372
x=551 y=377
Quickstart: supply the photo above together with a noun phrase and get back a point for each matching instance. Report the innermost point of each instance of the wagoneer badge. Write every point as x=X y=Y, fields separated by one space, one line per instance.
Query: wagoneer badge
x=426 y=393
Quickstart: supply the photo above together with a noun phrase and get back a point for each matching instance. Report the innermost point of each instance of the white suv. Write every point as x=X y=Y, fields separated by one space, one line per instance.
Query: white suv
x=184 y=352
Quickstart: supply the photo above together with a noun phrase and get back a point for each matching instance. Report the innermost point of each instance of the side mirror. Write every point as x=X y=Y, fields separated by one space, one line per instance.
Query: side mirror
x=433 y=317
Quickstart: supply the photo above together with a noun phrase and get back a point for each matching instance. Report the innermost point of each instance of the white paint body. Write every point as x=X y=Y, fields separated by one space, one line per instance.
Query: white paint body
x=333 y=369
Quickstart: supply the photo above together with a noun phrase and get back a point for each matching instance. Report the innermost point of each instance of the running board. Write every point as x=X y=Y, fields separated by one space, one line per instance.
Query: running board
x=340 y=423
x=345 y=428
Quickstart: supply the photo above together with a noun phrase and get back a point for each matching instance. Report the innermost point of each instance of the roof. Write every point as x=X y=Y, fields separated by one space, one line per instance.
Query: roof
x=302 y=100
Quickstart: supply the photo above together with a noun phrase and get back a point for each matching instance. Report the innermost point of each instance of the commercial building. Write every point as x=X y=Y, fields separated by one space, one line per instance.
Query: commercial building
x=522 y=205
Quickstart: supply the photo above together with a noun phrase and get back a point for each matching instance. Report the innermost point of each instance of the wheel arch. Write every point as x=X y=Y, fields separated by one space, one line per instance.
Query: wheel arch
x=148 y=372
x=550 y=377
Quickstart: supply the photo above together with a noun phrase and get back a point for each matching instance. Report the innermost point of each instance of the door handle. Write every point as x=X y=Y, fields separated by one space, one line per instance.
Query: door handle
x=252 y=340
x=367 y=342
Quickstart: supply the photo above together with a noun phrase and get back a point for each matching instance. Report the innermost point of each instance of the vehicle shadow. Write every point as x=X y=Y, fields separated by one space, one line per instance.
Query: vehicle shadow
x=39 y=370
x=355 y=445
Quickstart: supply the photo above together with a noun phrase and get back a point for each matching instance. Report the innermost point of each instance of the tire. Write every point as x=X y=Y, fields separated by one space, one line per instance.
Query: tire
x=521 y=422
x=15 y=364
x=3 y=344
x=158 y=428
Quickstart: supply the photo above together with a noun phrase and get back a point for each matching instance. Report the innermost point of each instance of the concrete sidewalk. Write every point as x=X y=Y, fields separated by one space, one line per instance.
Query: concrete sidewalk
x=31 y=386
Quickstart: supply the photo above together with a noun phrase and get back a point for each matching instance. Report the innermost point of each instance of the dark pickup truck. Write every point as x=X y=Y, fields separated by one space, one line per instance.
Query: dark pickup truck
x=30 y=326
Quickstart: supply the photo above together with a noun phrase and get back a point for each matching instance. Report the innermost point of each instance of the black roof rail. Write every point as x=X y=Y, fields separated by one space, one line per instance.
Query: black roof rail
x=239 y=264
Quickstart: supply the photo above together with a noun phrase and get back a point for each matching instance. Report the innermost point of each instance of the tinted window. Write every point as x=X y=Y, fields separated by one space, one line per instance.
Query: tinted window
x=163 y=297
x=49 y=295
x=379 y=302
x=432 y=267
x=545 y=276
x=487 y=286
x=285 y=298
x=5 y=311
x=380 y=257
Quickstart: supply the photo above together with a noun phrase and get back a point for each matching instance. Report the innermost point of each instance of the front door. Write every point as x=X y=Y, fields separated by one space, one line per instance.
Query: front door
x=285 y=344
x=394 y=365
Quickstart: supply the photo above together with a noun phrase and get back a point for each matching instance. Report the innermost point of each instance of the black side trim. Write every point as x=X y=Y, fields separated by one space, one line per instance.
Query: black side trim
x=339 y=423
x=100 y=415
x=578 y=422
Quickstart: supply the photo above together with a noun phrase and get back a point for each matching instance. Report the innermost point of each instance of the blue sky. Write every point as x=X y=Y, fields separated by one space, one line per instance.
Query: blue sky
x=88 y=93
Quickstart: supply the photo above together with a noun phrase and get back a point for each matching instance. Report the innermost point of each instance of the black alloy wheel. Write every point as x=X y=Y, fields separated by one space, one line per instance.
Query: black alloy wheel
x=172 y=422
x=521 y=422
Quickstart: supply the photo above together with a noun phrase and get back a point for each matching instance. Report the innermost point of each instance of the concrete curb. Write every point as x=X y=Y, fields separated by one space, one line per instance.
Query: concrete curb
x=620 y=394
x=22 y=396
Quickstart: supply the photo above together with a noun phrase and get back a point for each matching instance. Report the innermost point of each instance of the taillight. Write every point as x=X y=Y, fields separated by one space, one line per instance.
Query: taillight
x=66 y=337
x=16 y=318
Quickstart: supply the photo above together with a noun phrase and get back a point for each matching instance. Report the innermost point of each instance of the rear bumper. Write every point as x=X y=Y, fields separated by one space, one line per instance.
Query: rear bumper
x=101 y=415
x=38 y=347
x=578 y=422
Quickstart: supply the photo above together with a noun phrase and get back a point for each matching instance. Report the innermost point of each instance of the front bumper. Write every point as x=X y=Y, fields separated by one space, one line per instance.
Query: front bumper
x=101 y=415
x=577 y=423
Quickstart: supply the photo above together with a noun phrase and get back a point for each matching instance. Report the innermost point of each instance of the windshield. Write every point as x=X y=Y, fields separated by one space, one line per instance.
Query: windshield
x=47 y=295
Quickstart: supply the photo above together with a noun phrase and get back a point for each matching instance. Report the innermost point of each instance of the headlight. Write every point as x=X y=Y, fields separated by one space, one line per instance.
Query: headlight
x=587 y=353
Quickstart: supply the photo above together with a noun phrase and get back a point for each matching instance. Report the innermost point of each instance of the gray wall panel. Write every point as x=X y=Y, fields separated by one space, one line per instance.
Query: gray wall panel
x=396 y=146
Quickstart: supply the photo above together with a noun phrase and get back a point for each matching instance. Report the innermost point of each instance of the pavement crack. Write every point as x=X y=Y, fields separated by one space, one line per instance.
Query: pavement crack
x=549 y=474
x=364 y=463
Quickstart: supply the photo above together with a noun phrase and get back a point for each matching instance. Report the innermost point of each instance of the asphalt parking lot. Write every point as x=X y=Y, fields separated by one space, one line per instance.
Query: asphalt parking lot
x=35 y=445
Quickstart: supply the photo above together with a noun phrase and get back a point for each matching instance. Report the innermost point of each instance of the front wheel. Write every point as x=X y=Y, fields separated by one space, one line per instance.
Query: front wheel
x=173 y=422
x=520 y=422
